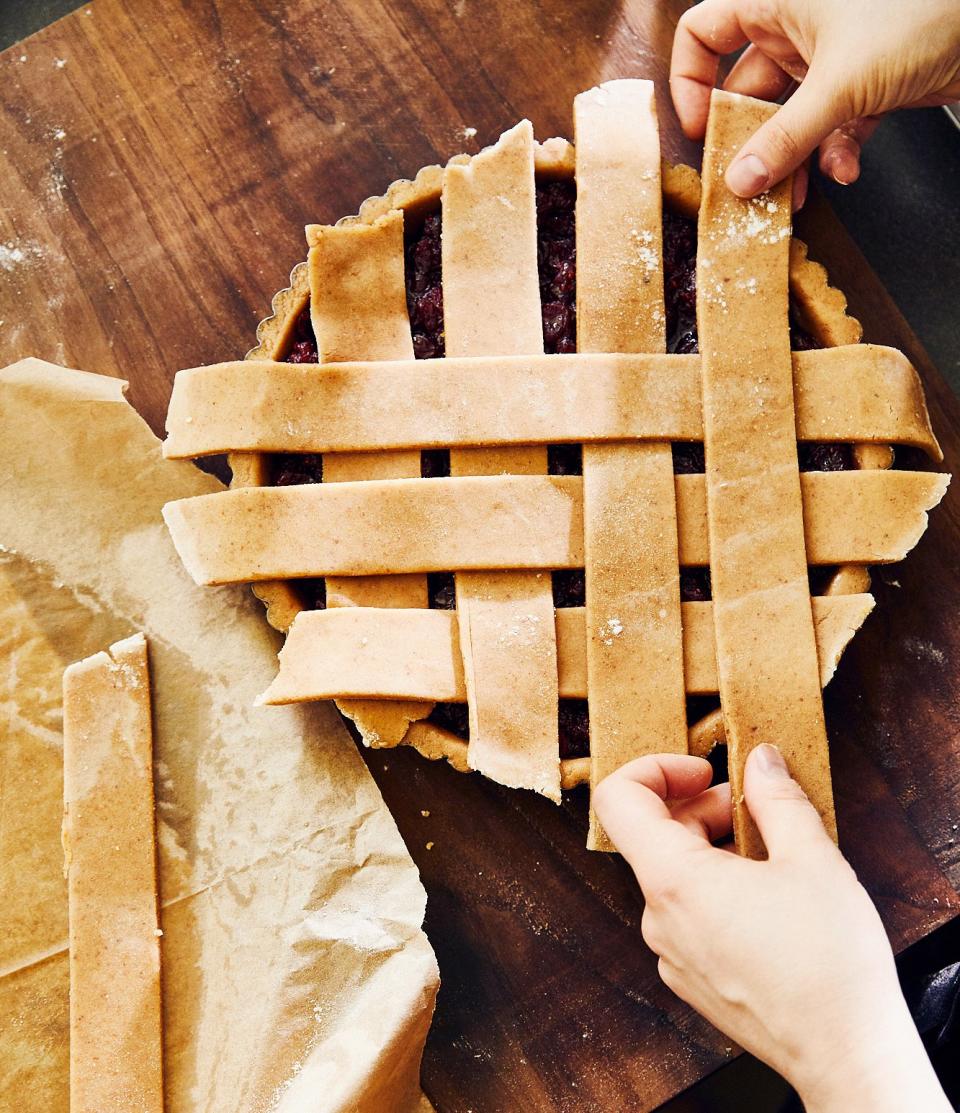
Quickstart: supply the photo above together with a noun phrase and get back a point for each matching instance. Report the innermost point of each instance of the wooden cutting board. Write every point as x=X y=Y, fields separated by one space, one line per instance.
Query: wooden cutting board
x=159 y=162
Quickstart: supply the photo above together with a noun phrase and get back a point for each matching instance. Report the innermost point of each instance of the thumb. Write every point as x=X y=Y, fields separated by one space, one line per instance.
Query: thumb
x=787 y=821
x=787 y=138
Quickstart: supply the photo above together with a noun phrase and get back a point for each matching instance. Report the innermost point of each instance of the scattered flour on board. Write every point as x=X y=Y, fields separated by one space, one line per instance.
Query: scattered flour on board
x=10 y=256
x=925 y=650
x=19 y=253
x=54 y=184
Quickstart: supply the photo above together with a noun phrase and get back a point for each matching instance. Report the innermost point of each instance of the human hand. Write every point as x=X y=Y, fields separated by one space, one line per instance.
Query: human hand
x=787 y=956
x=855 y=60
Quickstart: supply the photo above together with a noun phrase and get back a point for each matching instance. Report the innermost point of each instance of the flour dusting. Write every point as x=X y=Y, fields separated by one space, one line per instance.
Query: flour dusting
x=23 y=253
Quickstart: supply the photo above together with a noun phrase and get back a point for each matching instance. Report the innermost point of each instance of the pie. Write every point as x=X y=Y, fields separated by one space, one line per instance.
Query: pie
x=469 y=454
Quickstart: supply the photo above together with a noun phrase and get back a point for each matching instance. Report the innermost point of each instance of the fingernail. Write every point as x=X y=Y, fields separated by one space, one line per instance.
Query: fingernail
x=844 y=171
x=748 y=176
x=769 y=760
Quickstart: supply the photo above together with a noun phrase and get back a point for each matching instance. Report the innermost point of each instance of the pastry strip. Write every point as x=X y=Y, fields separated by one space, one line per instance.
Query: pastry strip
x=491 y=298
x=863 y=392
x=491 y=288
x=358 y=308
x=358 y=305
x=498 y=522
x=415 y=654
x=766 y=649
x=110 y=851
x=635 y=681
x=506 y=620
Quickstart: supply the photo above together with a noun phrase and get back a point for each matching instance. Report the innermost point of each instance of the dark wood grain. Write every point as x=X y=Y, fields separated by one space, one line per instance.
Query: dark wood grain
x=159 y=163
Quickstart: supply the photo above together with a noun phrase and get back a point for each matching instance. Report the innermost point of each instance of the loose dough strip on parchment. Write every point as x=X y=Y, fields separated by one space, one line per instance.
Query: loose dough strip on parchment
x=415 y=654
x=635 y=682
x=491 y=306
x=358 y=307
x=109 y=838
x=766 y=648
x=860 y=393
x=497 y=522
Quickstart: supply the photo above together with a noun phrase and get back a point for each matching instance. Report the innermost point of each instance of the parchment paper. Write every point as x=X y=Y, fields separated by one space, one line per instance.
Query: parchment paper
x=296 y=973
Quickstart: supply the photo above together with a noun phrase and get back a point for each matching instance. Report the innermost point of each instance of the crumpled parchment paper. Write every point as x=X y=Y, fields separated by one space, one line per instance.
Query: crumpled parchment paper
x=296 y=975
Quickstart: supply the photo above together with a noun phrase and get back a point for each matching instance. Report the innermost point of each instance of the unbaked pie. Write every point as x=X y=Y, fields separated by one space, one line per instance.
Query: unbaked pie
x=545 y=449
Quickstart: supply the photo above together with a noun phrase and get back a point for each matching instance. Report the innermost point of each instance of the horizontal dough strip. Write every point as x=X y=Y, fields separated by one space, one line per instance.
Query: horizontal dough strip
x=415 y=654
x=859 y=393
x=501 y=522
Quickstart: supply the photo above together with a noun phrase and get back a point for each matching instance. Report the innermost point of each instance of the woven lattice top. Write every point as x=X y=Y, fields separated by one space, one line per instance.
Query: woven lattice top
x=635 y=650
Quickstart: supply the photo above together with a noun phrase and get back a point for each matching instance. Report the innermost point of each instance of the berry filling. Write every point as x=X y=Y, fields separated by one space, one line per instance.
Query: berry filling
x=556 y=261
x=303 y=342
x=425 y=289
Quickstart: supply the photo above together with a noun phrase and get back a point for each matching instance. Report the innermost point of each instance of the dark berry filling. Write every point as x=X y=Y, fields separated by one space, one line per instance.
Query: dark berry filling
x=718 y=762
x=303 y=342
x=557 y=264
x=441 y=591
x=825 y=457
x=435 y=463
x=452 y=717
x=565 y=459
x=313 y=593
x=688 y=458
x=556 y=261
x=680 y=281
x=698 y=706
x=695 y=585
x=291 y=468
x=569 y=587
x=574 y=723
x=425 y=288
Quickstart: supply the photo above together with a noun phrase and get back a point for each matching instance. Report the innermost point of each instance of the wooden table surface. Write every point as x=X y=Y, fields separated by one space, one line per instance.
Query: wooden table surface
x=159 y=162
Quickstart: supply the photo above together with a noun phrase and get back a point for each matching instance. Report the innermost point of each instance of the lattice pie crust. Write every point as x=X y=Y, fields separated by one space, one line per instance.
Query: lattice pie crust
x=374 y=528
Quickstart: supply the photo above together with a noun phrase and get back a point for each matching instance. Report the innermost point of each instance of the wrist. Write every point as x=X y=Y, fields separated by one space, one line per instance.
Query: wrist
x=878 y=1066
